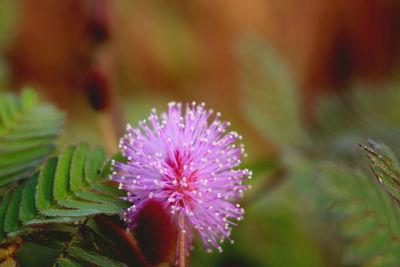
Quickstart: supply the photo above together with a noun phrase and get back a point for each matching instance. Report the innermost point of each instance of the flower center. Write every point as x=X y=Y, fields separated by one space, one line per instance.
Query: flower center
x=182 y=177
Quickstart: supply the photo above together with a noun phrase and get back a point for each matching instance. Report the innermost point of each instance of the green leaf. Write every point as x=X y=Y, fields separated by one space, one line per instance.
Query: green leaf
x=55 y=220
x=385 y=166
x=51 y=238
x=29 y=154
x=27 y=132
x=363 y=213
x=80 y=204
x=12 y=218
x=368 y=247
x=80 y=246
x=65 y=262
x=14 y=177
x=20 y=145
x=3 y=212
x=387 y=258
x=62 y=178
x=357 y=226
x=20 y=231
x=94 y=258
x=28 y=99
x=269 y=94
x=72 y=213
x=11 y=169
x=351 y=117
x=106 y=170
x=109 y=190
x=44 y=196
x=28 y=208
x=94 y=163
x=100 y=198
x=5 y=114
x=78 y=167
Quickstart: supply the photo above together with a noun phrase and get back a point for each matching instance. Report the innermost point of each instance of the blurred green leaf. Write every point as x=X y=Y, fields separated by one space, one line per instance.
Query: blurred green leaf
x=345 y=120
x=27 y=132
x=269 y=94
x=363 y=214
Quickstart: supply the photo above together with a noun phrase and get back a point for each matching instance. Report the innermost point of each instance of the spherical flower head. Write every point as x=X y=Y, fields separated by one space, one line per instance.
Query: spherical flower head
x=188 y=162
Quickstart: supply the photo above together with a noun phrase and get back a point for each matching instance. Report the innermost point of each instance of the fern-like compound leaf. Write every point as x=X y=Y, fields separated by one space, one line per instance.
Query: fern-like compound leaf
x=385 y=166
x=269 y=94
x=52 y=196
x=364 y=215
x=78 y=246
x=27 y=133
x=342 y=121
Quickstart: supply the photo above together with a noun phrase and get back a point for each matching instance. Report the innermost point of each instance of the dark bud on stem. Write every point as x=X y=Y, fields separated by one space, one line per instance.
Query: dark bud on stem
x=155 y=232
x=98 y=24
x=98 y=90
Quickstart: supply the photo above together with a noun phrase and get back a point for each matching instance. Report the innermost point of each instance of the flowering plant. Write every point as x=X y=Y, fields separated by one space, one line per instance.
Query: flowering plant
x=188 y=166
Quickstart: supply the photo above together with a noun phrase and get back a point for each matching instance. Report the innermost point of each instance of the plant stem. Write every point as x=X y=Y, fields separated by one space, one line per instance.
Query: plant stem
x=182 y=260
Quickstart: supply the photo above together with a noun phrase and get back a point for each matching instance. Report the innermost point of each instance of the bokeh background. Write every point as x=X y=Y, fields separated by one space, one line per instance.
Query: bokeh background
x=289 y=75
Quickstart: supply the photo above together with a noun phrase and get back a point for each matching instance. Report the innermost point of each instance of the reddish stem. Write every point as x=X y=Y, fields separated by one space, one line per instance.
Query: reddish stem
x=182 y=260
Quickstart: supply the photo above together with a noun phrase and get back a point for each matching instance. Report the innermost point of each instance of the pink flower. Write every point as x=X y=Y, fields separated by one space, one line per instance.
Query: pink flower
x=187 y=165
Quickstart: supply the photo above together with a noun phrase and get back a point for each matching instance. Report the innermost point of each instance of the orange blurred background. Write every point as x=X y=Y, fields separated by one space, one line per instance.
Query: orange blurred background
x=186 y=49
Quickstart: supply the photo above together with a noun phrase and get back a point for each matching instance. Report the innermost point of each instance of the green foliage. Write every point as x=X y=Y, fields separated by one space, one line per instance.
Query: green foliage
x=385 y=166
x=39 y=191
x=27 y=132
x=270 y=96
x=345 y=120
x=356 y=109
x=67 y=189
x=364 y=215
x=78 y=246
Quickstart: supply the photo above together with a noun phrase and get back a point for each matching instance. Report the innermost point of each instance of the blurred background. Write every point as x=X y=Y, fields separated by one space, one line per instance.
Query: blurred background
x=289 y=75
